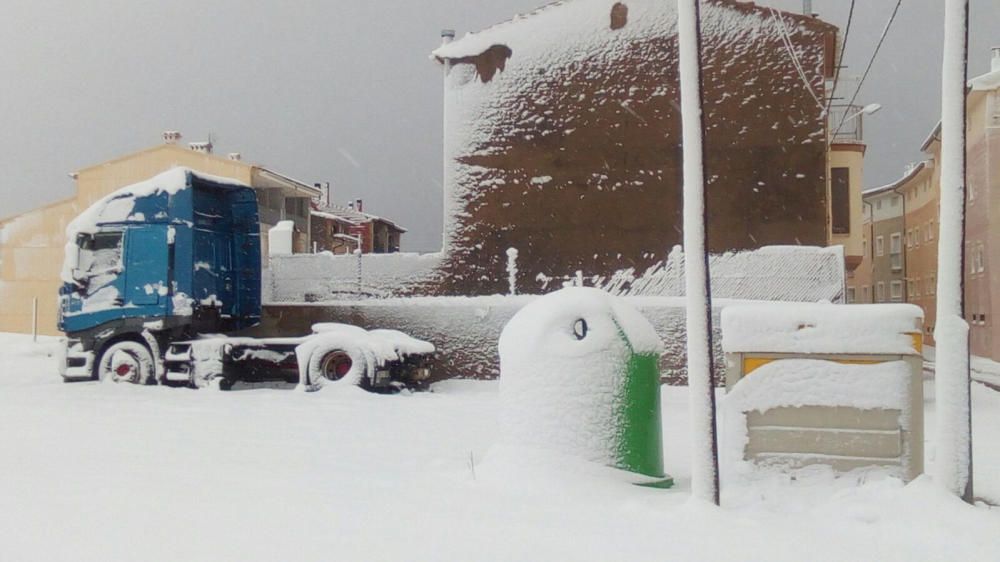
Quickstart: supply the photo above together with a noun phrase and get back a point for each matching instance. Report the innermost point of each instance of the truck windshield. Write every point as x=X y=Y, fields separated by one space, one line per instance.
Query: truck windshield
x=100 y=258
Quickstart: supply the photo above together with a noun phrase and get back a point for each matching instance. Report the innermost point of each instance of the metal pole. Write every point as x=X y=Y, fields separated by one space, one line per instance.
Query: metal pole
x=705 y=453
x=953 y=461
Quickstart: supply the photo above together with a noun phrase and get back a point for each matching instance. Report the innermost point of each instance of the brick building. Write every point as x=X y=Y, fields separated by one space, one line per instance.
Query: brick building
x=562 y=140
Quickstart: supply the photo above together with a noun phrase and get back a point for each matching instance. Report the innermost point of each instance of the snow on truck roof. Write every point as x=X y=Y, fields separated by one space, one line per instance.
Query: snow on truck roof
x=118 y=205
x=822 y=328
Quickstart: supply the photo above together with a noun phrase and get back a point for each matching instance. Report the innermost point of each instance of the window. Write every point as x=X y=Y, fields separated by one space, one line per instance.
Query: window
x=850 y=295
x=896 y=290
x=865 y=291
x=978 y=259
x=295 y=206
x=993 y=115
x=916 y=237
x=880 y=246
x=896 y=252
x=99 y=259
x=930 y=231
x=894 y=201
x=880 y=292
x=909 y=238
x=878 y=205
x=840 y=200
x=864 y=247
x=930 y=287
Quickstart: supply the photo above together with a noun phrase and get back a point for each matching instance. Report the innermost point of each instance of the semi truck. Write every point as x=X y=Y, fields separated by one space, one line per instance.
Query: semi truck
x=161 y=279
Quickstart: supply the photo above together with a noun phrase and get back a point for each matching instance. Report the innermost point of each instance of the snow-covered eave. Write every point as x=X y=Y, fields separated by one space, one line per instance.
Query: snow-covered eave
x=335 y=217
x=935 y=135
x=474 y=43
x=985 y=82
x=289 y=183
x=896 y=184
x=362 y=218
x=982 y=83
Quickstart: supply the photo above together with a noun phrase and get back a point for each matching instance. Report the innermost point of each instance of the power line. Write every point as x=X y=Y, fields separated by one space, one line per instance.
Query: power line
x=840 y=61
x=787 y=42
x=871 y=61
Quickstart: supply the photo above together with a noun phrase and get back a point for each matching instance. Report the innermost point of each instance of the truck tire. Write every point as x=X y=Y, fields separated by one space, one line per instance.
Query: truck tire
x=331 y=366
x=126 y=361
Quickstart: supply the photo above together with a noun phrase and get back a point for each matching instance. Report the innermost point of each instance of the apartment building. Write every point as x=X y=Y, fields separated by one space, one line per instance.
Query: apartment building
x=918 y=195
x=885 y=278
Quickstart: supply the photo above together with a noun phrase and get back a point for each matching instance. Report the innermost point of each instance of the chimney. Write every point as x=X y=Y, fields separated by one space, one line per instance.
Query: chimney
x=447 y=35
x=807 y=7
x=171 y=137
x=235 y=156
x=350 y=205
x=995 y=63
x=205 y=147
x=360 y=206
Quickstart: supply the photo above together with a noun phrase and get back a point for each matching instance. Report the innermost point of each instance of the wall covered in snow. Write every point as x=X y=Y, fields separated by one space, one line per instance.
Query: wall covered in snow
x=562 y=138
x=465 y=330
x=324 y=276
x=774 y=273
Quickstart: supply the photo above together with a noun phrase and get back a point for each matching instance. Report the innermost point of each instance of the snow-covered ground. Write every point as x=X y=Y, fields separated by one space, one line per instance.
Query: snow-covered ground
x=92 y=471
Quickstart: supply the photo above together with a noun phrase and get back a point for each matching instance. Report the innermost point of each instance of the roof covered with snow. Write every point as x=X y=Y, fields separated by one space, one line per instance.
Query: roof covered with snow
x=909 y=175
x=530 y=26
x=984 y=82
x=351 y=216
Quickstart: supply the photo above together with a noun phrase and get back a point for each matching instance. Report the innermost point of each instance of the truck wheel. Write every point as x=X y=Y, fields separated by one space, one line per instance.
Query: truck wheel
x=126 y=361
x=332 y=366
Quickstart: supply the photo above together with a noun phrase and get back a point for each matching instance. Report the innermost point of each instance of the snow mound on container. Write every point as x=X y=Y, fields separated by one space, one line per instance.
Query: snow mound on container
x=563 y=360
x=821 y=328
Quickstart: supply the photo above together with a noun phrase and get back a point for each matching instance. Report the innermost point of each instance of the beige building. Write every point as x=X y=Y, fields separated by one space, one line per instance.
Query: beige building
x=845 y=179
x=884 y=278
x=859 y=280
x=921 y=200
x=31 y=244
x=920 y=193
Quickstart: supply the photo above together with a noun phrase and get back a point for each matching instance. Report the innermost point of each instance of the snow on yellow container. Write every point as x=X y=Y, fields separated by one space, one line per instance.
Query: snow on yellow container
x=809 y=384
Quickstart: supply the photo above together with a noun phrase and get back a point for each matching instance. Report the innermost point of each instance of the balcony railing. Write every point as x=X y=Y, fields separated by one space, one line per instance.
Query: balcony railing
x=852 y=129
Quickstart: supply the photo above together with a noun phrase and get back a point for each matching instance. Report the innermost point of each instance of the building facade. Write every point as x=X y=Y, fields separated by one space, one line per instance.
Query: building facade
x=563 y=140
x=32 y=243
x=920 y=192
x=859 y=280
x=887 y=257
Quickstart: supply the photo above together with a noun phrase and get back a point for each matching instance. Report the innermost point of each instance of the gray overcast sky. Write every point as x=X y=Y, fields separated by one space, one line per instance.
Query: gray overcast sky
x=340 y=91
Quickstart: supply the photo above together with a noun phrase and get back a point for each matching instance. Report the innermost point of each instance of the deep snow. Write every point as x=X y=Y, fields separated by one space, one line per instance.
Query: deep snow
x=94 y=471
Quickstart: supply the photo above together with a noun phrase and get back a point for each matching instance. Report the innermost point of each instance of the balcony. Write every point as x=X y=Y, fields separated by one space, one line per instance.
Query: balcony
x=852 y=129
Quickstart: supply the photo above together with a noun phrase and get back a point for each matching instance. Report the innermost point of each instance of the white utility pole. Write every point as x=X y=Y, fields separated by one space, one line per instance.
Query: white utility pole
x=953 y=444
x=704 y=445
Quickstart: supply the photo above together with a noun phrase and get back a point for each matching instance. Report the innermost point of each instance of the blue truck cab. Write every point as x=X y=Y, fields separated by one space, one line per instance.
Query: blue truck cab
x=160 y=261
x=159 y=277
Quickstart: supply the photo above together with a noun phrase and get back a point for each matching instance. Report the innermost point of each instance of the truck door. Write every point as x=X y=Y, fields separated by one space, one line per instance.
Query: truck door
x=146 y=265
